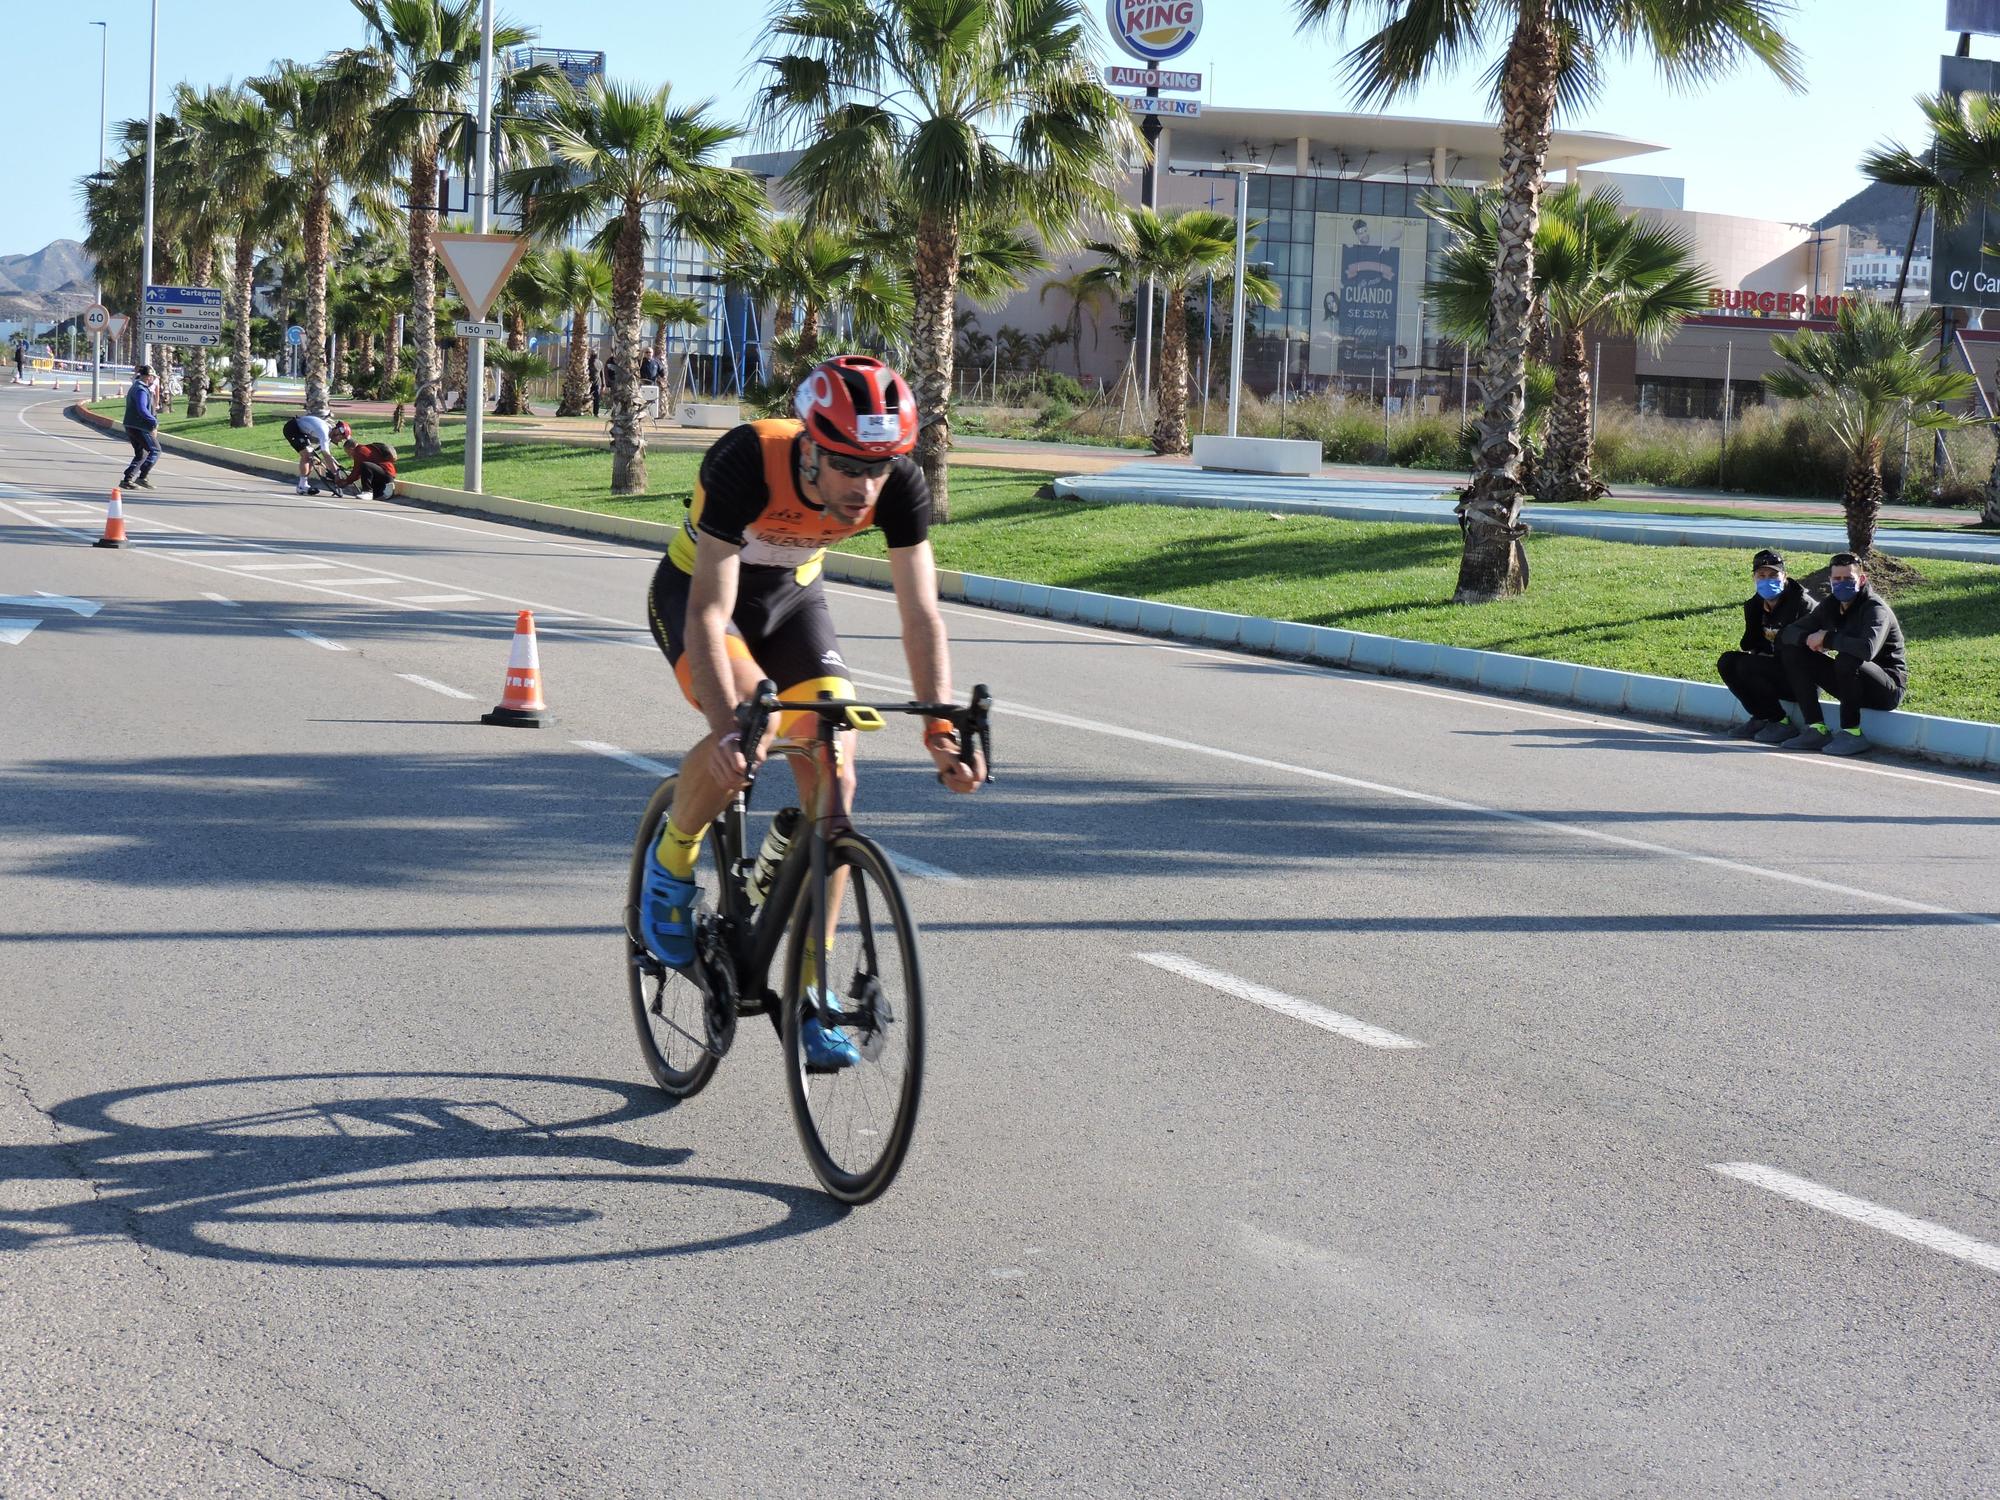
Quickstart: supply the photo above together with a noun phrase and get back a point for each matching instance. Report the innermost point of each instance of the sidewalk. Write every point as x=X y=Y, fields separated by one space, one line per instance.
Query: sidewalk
x=1355 y=500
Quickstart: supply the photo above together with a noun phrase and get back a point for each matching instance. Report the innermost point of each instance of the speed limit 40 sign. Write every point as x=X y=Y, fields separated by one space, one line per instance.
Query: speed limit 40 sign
x=96 y=317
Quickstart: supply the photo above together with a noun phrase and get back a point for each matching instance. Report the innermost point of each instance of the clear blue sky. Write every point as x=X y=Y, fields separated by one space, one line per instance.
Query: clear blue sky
x=1746 y=146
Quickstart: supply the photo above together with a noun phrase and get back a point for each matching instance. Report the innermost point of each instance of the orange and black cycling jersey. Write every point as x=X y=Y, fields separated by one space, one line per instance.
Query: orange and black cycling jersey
x=748 y=495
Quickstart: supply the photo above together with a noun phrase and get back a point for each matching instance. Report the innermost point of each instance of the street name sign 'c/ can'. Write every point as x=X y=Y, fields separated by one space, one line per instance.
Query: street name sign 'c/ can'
x=190 y=315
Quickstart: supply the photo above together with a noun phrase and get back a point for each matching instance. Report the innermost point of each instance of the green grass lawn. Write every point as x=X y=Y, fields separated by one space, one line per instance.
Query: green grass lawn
x=1665 y=610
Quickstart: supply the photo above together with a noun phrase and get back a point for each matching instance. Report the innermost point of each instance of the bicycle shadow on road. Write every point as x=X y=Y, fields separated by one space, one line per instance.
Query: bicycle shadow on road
x=385 y=1171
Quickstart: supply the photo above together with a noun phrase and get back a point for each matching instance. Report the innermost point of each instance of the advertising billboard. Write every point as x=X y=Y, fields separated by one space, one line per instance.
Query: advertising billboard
x=1982 y=16
x=1962 y=273
x=1367 y=293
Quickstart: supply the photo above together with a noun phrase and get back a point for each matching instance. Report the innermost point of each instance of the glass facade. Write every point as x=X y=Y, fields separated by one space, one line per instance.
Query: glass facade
x=1349 y=258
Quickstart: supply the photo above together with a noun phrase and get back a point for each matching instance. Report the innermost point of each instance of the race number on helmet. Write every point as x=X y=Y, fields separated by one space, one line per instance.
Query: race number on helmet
x=858 y=406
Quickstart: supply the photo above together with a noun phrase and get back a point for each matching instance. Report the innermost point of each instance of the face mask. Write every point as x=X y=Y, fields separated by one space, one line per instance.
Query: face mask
x=1845 y=589
x=1770 y=588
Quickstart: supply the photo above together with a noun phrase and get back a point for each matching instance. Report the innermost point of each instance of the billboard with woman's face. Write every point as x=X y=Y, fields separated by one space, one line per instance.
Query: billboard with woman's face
x=1367 y=293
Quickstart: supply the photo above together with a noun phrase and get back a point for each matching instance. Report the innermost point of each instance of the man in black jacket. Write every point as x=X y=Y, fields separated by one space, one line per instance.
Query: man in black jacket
x=1858 y=625
x=1751 y=671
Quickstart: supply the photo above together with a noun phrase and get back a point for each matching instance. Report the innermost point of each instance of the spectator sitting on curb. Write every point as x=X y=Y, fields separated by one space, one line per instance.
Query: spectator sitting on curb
x=1751 y=671
x=1858 y=624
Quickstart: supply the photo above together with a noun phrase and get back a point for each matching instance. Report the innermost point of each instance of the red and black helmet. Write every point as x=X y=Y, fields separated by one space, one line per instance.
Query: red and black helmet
x=858 y=406
x=340 y=432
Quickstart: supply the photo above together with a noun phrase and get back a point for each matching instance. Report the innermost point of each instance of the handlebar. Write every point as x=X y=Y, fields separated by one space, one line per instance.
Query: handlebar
x=972 y=723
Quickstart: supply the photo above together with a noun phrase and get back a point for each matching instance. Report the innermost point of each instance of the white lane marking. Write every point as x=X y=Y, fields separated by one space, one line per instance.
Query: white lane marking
x=436 y=687
x=317 y=640
x=221 y=599
x=1828 y=1200
x=1431 y=799
x=630 y=758
x=355 y=583
x=1285 y=1005
x=438 y=599
x=13 y=632
x=282 y=567
x=921 y=869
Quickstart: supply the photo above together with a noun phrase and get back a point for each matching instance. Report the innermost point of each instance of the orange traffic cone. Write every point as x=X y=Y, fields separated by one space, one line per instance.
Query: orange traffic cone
x=521 y=705
x=114 y=522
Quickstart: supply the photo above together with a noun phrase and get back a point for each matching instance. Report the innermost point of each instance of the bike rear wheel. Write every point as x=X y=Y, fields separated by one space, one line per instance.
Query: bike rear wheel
x=667 y=1005
x=856 y=1123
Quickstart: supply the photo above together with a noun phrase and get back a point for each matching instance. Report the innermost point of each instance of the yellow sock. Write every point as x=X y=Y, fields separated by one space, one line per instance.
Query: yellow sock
x=678 y=851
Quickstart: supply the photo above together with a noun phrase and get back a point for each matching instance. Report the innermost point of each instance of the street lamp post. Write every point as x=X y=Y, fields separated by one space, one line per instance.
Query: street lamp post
x=1242 y=171
x=152 y=120
x=475 y=359
x=103 y=82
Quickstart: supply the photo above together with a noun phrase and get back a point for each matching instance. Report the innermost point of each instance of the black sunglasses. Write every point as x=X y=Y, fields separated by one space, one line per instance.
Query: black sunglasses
x=860 y=468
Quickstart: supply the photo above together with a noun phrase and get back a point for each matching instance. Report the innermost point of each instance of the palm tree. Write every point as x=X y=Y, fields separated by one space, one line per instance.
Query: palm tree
x=1087 y=298
x=1596 y=267
x=524 y=301
x=328 y=112
x=1959 y=171
x=958 y=110
x=578 y=283
x=186 y=162
x=1554 y=59
x=1873 y=371
x=805 y=269
x=1174 y=250
x=666 y=310
x=631 y=153
x=426 y=53
x=250 y=196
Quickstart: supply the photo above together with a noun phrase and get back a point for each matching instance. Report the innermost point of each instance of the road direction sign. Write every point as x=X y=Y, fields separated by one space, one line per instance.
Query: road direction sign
x=1141 y=104
x=96 y=317
x=480 y=265
x=467 y=330
x=181 y=315
x=295 y=335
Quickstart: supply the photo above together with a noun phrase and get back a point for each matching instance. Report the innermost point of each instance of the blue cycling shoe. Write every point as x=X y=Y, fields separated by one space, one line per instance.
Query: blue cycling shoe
x=827 y=1048
x=666 y=914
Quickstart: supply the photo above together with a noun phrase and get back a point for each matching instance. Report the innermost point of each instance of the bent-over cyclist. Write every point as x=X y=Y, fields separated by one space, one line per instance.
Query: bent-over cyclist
x=739 y=598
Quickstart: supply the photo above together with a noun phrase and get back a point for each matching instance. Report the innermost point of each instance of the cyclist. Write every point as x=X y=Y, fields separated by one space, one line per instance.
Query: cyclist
x=739 y=598
x=309 y=435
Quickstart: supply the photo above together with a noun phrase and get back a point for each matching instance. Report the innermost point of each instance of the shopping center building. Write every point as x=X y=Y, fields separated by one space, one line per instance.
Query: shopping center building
x=1341 y=228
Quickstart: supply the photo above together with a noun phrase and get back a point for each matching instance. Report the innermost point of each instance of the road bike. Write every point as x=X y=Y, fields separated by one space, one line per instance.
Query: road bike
x=850 y=950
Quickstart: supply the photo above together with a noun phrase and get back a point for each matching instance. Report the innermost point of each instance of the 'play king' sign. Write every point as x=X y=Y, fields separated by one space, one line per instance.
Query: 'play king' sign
x=1154 y=30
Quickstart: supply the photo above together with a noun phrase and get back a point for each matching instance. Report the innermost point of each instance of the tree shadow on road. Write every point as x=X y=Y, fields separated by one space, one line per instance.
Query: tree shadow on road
x=385 y=1171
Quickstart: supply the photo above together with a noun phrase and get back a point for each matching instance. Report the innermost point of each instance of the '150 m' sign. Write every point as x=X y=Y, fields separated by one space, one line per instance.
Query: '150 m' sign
x=1154 y=30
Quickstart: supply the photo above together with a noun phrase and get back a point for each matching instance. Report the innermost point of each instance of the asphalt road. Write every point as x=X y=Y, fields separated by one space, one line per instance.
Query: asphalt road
x=328 y=1164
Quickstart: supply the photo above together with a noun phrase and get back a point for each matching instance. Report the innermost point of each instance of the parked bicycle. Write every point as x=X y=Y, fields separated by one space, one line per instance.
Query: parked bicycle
x=850 y=951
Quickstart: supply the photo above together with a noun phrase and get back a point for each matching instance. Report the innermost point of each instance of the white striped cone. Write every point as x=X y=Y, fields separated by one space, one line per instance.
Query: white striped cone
x=521 y=694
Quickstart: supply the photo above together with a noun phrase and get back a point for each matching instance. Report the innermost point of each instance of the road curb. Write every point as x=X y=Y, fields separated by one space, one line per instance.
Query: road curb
x=1957 y=742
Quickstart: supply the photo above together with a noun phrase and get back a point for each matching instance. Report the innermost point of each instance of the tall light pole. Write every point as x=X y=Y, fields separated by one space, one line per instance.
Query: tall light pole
x=482 y=198
x=152 y=120
x=103 y=85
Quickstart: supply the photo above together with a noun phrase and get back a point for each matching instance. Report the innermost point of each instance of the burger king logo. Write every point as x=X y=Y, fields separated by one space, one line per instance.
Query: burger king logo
x=1154 y=30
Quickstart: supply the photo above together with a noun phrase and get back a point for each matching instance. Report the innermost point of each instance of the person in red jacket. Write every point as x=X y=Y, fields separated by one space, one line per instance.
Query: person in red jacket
x=371 y=466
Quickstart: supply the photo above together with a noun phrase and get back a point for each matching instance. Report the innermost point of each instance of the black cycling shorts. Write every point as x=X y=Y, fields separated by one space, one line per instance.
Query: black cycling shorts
x=782 y=625
x=298 y=437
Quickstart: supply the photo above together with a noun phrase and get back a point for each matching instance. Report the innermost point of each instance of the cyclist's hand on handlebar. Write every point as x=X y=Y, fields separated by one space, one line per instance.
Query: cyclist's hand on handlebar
x=952 y=771
x=726 y=761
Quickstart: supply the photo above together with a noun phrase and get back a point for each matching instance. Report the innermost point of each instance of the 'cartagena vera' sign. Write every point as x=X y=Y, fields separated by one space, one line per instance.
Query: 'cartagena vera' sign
x=1154 y=31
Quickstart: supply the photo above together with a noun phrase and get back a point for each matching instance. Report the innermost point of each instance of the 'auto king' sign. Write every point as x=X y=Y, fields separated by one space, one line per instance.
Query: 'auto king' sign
x=1154 y=30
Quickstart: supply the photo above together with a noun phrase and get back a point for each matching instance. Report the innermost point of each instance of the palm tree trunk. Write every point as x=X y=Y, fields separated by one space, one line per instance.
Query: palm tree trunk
x=1909 y=248
x=240 y=292
x=317 y=217
x=509 y=404
x=576 y=379
x=1565 y=470
x=1989 y=514
x=457 y=371
x=423 y=299
x=203 y=267
x=934 y=286
x=1863 y=497
x=1494 y=563
x=809 y=332
x=392 y=357
x=333 y=370
x=628 y=286
x=1170 y=430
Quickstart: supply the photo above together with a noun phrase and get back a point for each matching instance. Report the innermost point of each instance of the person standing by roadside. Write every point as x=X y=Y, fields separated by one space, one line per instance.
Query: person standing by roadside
x=141 y=429
x=20 y=363
x=1751 y=671
x=1858 y=626
x=596 y=387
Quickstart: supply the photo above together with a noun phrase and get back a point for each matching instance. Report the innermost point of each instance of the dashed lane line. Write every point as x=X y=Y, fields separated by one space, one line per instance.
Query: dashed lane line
x=318 y=640
x=631 y=758
x=221 y=599
x=436 y=687
x=1859 y=1210
x=1367 y=1034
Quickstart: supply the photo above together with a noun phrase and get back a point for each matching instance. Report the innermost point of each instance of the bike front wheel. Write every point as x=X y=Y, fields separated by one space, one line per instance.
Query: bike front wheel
x=856 y=1122
x=667 y=1005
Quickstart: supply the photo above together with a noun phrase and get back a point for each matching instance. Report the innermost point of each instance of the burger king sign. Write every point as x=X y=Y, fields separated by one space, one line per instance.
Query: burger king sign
x=1154 y=30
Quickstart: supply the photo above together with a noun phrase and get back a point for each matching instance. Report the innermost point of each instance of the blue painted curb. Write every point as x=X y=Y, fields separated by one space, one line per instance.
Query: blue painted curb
x=1958 y=742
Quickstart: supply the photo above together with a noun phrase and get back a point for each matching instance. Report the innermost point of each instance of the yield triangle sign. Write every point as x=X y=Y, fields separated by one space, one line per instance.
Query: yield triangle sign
x=480 y=265
x=116 y=322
